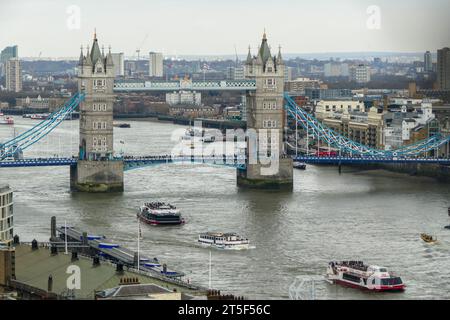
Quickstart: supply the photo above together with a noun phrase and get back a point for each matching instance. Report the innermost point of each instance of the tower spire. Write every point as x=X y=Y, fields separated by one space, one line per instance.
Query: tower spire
x=95 y=34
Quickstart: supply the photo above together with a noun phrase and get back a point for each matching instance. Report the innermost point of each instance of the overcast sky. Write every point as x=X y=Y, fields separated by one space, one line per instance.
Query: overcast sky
x=207 y=27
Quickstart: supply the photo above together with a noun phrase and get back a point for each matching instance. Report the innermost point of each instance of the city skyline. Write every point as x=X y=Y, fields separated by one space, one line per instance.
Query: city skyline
x=175 y=29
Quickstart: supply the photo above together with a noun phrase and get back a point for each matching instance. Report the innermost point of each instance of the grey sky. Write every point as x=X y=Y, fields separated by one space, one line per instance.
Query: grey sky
x=215 y=27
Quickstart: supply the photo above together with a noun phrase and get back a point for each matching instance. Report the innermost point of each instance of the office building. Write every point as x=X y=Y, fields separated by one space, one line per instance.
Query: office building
x=333 y=69
x=235 y=73
x=360 y=73
x=184 y=98
x=428 y=62
x=119 y=64
x=156 y=65
x=443 y=68
x=13 y=75
x=9 y=53
x=6 y=216
x=299 y=85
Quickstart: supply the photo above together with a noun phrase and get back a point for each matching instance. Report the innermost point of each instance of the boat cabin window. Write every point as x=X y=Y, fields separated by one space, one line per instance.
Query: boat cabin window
x=391 y=281
x=383 y=270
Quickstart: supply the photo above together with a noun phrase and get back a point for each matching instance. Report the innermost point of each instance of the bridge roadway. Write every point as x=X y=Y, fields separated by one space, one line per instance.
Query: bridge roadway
x=188 y=85
x=367 y=160
x=118 y=253
x=233 y=161
x=129 y=162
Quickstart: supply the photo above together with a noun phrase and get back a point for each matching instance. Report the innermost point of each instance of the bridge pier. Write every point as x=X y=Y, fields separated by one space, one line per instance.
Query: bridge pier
x=97 y=176
x=251 y=177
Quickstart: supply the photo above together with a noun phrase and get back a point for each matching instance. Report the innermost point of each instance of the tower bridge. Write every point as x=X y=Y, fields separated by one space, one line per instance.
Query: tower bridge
x=97 y=168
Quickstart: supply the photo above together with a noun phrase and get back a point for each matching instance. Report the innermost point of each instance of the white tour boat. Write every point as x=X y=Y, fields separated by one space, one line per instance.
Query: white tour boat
x=229 y=241
x=356 y=274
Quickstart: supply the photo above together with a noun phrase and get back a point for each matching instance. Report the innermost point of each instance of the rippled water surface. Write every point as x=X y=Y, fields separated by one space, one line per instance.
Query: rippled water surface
x=373 y=216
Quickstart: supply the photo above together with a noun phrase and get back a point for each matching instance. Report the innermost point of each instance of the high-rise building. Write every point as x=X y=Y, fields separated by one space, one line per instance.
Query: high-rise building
x=156 y=65
x=428 y=62
x=6 y=215
x=6 y=54
x=119 y=64
x=443 y=69
x=288 y=73
x=9 y=53
x=235 y=73
x=13 y=75
x=360 y=73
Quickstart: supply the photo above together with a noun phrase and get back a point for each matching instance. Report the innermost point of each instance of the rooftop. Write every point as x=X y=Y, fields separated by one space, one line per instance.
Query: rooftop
x=33 y=268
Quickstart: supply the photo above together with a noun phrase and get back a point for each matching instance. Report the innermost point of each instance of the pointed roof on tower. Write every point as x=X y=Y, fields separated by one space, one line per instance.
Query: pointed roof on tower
x=81 y=59
x=264 y=49
x=249 y=56
x=95 y=52
x=109 y=58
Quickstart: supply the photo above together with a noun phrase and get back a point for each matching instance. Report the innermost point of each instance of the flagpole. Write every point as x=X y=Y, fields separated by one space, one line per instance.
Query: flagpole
x=65 y=237
x=210 y=258
x=138 y=244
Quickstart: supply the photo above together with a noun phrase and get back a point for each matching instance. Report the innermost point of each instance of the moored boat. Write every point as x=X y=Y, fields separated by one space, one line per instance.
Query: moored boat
x=6 y=120
x=356 y=274
x=228 y=241
x=299 y=165
x=160 y=213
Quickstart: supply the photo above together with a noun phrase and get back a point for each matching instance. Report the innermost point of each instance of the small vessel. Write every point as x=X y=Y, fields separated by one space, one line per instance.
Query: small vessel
x=40 y=116
x=356 y=274
x=122 y=125
x=447 y=227
x=427 y=238
x=6 y=120
x=228 y=241
x=300 y=165
x=160 y=213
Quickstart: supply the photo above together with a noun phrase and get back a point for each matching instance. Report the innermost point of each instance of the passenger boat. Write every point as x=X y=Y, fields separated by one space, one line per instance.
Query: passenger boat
x=122 y=125
x=228 y=241
x=160 y=213
x=300 y=165
x=6 y=120
x=427 y=238
x=356 y=274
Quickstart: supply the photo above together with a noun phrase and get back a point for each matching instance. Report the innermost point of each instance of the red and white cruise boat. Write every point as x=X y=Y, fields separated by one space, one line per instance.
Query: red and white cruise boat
x=6 y=120
x=356 y=274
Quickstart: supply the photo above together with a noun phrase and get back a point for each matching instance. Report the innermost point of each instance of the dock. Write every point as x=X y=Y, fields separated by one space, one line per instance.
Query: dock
x=101 y=246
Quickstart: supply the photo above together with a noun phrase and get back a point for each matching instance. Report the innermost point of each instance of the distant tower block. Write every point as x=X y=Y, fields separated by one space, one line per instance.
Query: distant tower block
x=265 y=111
x=96 y=170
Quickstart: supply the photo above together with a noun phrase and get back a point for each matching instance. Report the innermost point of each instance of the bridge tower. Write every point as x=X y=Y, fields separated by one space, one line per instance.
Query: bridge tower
x=96 y=169
x=265 y=123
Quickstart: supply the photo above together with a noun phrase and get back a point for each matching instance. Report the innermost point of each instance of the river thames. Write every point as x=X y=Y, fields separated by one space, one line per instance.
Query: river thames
x=374 y=216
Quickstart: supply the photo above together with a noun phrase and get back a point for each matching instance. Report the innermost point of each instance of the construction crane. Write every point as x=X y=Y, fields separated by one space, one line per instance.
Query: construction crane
x=138 y=50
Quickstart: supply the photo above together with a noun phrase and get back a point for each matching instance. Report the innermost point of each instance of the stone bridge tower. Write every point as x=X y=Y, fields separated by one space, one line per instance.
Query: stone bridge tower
x=96 y=169
x=265 y=124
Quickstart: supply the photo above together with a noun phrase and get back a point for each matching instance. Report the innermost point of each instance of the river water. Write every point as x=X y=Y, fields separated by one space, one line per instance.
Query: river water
x=374 y=216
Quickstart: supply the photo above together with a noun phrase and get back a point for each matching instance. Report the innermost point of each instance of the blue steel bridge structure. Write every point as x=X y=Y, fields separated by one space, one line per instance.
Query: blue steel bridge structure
x=350 y=152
